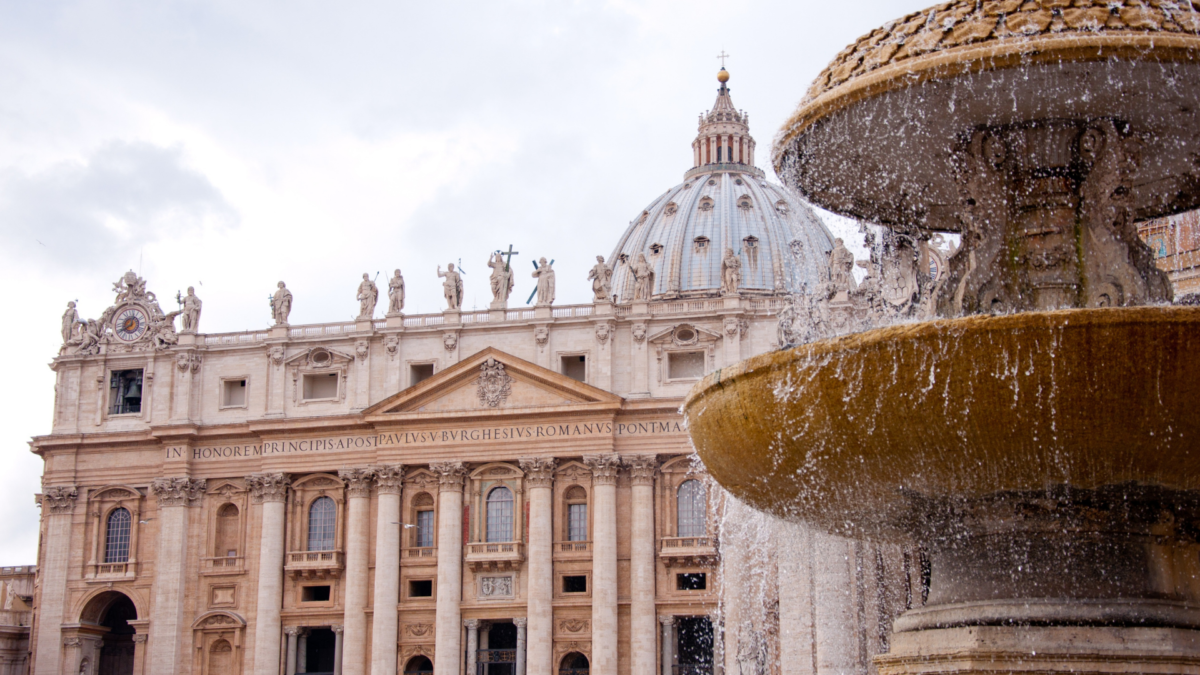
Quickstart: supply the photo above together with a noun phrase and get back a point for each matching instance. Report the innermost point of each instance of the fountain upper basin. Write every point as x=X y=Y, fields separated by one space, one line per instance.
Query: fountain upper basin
x=855 y=434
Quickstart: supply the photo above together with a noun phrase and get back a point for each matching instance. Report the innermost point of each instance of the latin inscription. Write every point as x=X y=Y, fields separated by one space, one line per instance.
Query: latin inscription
x=428 y=438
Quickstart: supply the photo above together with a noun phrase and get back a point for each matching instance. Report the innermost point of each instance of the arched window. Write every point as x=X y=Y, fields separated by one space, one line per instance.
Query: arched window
x=577 y=521
x=574 y=663
x=226 y=544
x=418 y=665
x=500 y=515
x=423 y=506
x=321 y=524
x=116 y=536
x=691 y=509
x=220 y=658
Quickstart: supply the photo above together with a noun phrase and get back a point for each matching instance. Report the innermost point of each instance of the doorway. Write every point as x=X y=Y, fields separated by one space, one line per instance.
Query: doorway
x=319 y=652
x=695 y=646
x=499 y=656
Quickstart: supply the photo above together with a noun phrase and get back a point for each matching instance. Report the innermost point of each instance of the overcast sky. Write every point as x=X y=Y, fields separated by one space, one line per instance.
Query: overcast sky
x=231 y=144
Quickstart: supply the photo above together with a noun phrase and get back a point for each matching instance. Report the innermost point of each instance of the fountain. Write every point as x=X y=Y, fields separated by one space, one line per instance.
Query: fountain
x=1037 y=441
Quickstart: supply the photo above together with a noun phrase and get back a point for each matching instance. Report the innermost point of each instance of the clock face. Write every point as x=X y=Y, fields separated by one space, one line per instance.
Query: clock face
x=130 y=324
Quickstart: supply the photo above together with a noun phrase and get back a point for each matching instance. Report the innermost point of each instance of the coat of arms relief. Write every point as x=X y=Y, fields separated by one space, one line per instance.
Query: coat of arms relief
x=494 y=383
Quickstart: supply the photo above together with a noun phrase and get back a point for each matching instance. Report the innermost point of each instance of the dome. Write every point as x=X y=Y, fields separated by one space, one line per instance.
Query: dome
x=724 y=203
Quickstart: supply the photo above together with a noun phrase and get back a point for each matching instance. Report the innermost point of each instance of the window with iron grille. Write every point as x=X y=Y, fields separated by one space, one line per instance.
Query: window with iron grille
x=116 y=536
x=500 y=515
x=321 y=515
x=425 y=529
x=691 y=509
x=577 y=522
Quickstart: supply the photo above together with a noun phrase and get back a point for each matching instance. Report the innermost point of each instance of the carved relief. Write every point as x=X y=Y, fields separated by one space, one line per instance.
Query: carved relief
x=603 y=330
x=391 y=345
x=268 y=487
x=61 y=500
x=539 y=471
x=494 y=587
x=388 y=478
x=641 y=468
x=188 y=361
x=541 y=334
x=418 y=629
x=494 y=384
x=604 y=468
x=358 y=482
x=276 y=354
x=450 y=341
x=450 y=475
x=639 y=332
x=177 y=491
x=574 y=625
x=362 y=349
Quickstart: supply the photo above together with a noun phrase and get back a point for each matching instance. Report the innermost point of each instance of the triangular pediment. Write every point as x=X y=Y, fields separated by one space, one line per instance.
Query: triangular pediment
x=492 y=381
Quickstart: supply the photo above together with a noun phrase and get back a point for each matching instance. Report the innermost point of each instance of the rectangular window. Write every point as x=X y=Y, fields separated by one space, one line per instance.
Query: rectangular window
x=685 y=365
x=697 y=581
x=125 y=392
x=314 y=594
x=575 y=367
x=233 y=394
x=577 y=522
x=425 y=529
x=420 y=588
x=575 y=584
x=321 y=386
x=419 y=372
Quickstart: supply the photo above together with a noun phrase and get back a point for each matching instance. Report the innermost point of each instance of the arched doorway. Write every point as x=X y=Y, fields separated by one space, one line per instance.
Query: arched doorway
x=418 y=665
x=113 y=611
x=574 y=663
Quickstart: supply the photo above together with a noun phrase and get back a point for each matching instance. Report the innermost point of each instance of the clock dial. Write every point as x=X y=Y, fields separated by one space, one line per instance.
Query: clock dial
x=130 y=324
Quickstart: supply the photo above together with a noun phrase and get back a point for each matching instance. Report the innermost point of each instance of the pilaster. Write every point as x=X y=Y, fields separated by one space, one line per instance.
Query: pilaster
x=58 y=503
x=166 y=632
x=270 y=490
x=362 y=372
x=276 y=377
x=385 y=621
x=539 y=478
x=641 y=564
x=604 y=563
x=358 y=520
x=448 y=626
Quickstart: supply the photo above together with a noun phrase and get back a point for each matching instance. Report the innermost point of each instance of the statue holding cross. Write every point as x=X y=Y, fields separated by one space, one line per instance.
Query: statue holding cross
x=502 y=278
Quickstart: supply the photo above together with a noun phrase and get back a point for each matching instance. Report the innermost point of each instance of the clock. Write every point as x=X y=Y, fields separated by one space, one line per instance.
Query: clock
x=130 y=324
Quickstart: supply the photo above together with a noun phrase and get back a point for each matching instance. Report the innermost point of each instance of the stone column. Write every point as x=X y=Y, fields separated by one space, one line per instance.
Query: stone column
x=539 y=476
x=641 y=564
x=668 y=643
x=302 y=651
x=521 y=623
x=385 y=623
x=166 y=642
x=292 y=632
x=604 y=563
x=57 y=505
x=472 y=645
x=337 y=648
x=448 y=624
x=139 y=654
x=269 y=490
x=358 y=523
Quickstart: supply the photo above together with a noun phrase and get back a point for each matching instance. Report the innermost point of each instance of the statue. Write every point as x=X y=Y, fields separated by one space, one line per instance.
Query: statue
x=502 y=281
x=643 y=276
x=452 y=287
x=601 y=278
x=70 y=319
x=545 y=282
x=368 y=297
x=731 y=273
x=395 y=294
x=281 y=305
x=129 y=287
x=191 y=311
x=162 y=330
x=841 y=268
x=89 y=337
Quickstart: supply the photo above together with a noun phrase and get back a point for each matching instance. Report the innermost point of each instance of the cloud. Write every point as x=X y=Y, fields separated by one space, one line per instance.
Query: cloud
x=82 y=215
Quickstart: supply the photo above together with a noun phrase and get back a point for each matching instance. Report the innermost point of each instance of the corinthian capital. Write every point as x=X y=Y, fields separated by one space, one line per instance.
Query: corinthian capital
x=268 y=487
x=60 y=500
x=641 y=468
x=539 y=471
x=389 y=478
x=177 y=491
x=450 y=475
x=604 y=468
x=358 y=482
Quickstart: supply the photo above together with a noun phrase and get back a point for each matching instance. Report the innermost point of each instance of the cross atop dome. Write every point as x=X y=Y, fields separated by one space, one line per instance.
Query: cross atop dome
x=724 y=132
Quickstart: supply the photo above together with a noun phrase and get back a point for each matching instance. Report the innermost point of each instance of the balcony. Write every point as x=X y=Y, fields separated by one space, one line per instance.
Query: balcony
x=495 y=556
x=111 y=571
x=315 y=564
x=223 y=565
x=688 y=551
x=572 y=550
x=420 y=555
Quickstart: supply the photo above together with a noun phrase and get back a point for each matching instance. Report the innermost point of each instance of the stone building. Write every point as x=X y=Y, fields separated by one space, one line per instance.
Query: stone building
x=505 y=491
x=1175 y=241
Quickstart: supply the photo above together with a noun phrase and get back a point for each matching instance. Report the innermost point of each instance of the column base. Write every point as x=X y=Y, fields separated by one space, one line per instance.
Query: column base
x=1042 y=649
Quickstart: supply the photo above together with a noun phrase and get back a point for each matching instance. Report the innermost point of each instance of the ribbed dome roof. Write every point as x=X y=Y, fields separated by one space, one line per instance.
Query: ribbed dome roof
x=685 y=232
x=724 y=202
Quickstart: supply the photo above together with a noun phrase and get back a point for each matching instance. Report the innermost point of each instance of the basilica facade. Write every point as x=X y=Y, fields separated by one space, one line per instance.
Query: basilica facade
x=495 y=492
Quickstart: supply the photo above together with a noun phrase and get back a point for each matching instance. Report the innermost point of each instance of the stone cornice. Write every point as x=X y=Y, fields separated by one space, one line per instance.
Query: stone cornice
x=177 y=491
x=539 y=471
x=389 y=478
x=604 y=468
x=641 y=468
x=450 y=475
x=60 y=500
x=268 y=487
x=358 y=482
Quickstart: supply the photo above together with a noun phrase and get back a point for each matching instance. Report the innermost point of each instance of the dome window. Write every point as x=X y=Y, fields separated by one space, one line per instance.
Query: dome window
x=672 y=208
x=782 y=207
x=738 y=182
x=706 y=204
x=623 y=258
x=745 y=203
x=700 y=244
x=712 y=181
x=656 y=249
x=750 y=242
